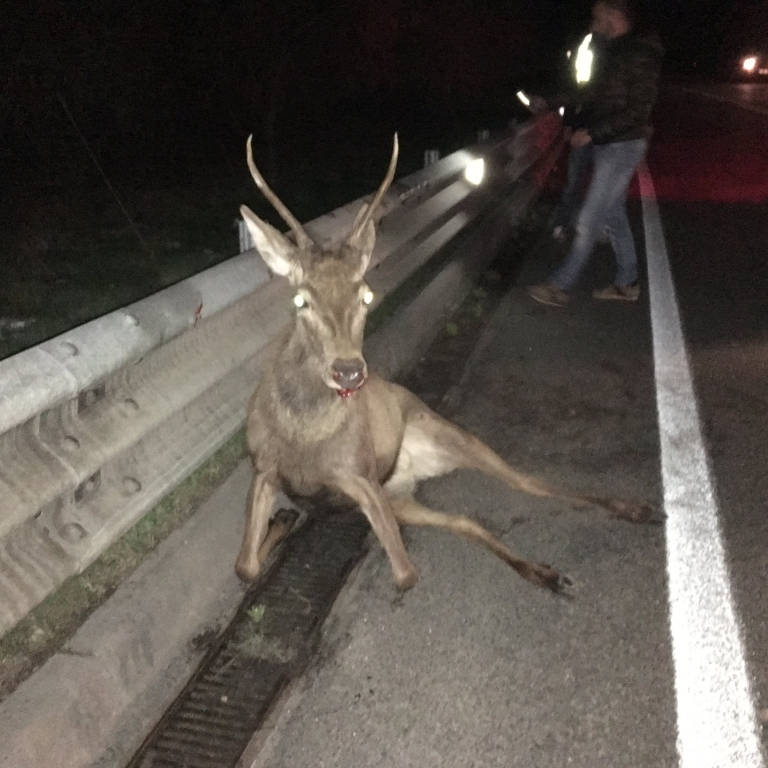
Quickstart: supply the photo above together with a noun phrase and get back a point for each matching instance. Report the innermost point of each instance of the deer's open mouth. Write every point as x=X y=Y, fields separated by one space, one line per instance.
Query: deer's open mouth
x=345 y=393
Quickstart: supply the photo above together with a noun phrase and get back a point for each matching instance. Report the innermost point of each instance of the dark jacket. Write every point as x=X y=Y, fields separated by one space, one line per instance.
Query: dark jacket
x=618 y=101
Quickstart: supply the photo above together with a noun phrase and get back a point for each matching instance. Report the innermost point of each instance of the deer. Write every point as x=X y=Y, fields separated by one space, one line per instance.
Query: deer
x=321 y=425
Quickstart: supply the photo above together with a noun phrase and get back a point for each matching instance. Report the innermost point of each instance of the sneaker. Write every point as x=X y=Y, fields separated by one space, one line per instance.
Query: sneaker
x=548 y=294
x=618 y=293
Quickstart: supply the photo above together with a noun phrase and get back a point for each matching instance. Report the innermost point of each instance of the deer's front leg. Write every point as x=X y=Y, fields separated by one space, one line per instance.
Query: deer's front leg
x=260 y=500
x=376 y=507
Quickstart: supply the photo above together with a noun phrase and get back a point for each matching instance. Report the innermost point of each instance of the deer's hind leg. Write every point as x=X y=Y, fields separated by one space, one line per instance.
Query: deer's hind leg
x=433 y=446
x=408 y=511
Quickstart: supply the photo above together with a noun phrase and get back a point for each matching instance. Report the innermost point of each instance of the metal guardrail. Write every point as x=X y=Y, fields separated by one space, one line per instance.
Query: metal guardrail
x=101 y=422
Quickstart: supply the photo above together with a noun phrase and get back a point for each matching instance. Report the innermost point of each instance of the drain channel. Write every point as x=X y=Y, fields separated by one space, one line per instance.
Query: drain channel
x=211 y=722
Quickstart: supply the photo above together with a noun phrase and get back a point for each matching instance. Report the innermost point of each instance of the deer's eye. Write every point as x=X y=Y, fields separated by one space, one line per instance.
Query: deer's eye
x=299 y=301
x=367 y=296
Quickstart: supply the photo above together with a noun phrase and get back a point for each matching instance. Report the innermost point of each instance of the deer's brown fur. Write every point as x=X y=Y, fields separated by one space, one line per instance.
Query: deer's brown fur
x=320 y=423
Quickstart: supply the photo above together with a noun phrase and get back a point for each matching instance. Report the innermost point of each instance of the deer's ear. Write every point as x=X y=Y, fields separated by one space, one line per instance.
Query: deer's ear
x=279 y=253
x=364 y=241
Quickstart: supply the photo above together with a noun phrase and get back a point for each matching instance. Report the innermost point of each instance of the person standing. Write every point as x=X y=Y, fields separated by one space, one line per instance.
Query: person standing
x=616 y=126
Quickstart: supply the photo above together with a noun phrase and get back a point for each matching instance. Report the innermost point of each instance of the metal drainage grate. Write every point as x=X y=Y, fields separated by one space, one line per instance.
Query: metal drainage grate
x=213 y=719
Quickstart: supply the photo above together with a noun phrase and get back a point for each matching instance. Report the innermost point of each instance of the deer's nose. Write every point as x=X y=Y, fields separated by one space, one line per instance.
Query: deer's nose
x=348 y=374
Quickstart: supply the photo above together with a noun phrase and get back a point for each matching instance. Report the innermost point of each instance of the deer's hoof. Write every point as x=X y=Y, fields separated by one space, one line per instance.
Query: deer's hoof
x=404 y=581
x=635 y=513
x=546 y=576
x=247 y=570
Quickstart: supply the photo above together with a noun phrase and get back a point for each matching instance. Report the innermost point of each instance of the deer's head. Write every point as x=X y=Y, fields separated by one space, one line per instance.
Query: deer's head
x=331 y=296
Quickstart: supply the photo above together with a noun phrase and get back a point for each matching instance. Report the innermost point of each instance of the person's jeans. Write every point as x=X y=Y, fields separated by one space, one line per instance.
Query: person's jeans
x=579 y=159
x=604 y=210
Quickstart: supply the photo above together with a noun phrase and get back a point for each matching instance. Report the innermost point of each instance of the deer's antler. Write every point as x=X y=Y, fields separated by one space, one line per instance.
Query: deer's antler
x=380 y=192
x=303 y=240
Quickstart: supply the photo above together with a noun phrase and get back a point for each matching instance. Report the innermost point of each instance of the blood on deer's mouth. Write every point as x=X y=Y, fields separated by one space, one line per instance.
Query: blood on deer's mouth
x=345 y=393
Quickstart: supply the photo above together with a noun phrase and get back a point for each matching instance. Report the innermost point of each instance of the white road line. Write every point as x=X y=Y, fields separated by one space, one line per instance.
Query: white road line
x=716 y=722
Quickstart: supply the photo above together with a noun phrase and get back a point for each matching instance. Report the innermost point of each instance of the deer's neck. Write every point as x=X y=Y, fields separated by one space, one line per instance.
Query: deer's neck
x=301 y=392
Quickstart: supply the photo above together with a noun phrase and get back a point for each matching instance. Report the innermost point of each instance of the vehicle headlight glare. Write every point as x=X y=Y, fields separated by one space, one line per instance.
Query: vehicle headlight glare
x=749 y=63
x=474 y=173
